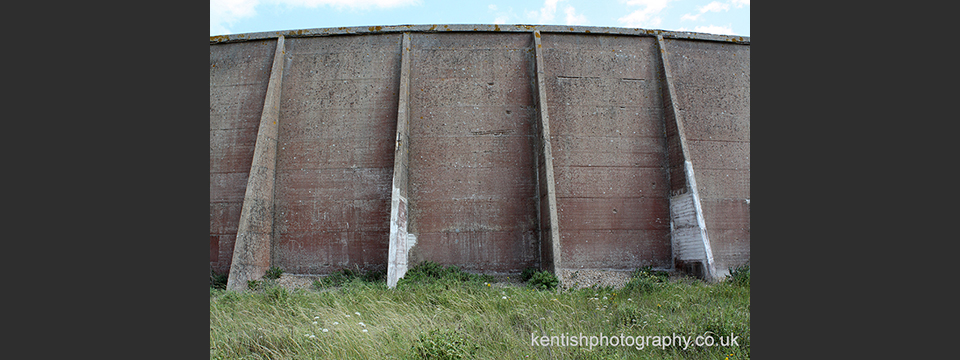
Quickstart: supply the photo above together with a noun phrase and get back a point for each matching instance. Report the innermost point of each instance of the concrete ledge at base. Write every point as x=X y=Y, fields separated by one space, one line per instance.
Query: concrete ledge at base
x=359 y=30
x=584 y=278
x=572 y=279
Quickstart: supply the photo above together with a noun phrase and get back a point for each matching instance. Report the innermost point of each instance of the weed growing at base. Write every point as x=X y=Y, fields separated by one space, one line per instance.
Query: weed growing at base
x=218 y=281
x=740 y=275
x=543 y=280
x=344 y=276
x=441 y=312
x=273 y=273
x=430 y=272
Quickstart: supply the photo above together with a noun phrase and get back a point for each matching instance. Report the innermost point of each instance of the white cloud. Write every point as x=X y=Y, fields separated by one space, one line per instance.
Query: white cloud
x=646 y=16
x=362 y=4
x=713 y=6
x=225 y=12
x=573 y=18
x=502 y=16
x=546 y=13
x=740 y=3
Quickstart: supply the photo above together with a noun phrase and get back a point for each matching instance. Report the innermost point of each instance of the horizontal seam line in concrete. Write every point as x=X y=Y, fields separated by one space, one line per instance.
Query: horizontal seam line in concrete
x=727 y=169
x=237 y=84
x=720 y=140
x=357 y=79
x=334 y=168
x=609 y=166
x=613 y=197
x=470 y=136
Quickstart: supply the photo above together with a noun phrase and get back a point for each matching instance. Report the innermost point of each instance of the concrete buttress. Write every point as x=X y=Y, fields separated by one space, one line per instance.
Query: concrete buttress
x=251 y=254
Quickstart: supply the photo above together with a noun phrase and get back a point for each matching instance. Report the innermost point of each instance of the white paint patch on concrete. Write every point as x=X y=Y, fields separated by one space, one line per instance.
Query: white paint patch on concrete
x=400 y=241
x=688 y=228
x=709 y=267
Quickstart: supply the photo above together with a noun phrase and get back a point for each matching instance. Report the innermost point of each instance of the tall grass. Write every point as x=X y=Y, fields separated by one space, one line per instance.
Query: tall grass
x=454 y=316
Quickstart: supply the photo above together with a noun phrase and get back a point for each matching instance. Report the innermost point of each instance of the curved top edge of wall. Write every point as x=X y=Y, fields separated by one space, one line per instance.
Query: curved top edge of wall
x=358 y=30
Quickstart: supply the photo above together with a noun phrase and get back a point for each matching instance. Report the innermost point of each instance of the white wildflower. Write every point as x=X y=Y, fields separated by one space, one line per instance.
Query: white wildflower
x=357 y=313
x=325 y=330
x=504 y=298
x=336 y=323
x=362 y=324
x=364 y=330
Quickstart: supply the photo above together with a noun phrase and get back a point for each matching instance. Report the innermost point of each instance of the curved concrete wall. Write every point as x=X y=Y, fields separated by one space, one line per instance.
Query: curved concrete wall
x=494 y=148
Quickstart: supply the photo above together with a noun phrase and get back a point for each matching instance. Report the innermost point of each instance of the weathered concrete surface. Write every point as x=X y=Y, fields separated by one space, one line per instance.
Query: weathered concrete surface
x=550 y=252
x=606 y=128
x=688 y=233
x=507 y=151
x=251 y=253
x=335 y=163
x=473 y=183
x=238 y=84
x=712 y=83
x=401 y=241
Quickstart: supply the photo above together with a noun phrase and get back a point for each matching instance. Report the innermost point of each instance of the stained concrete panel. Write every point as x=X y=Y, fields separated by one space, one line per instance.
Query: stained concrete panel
x=236 y=106
x=717 y=125
x=322 y=252
x=606 y=122
x=712 y=83
x=335 y=162
x=615 y=249
x=722 y=184
x=481 y=251
x=329 y=153
x=728 y=214
x=473 y=195
x=609 y=182
x=238 y=83
x=474 y=215
x=493 y=151
x=633 y=152
x=334 y=216
x=478 y=193
x=713 y=154
x=613 y=214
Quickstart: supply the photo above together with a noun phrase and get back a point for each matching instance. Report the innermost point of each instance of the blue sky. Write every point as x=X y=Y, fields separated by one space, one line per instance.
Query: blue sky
x=730 y=17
